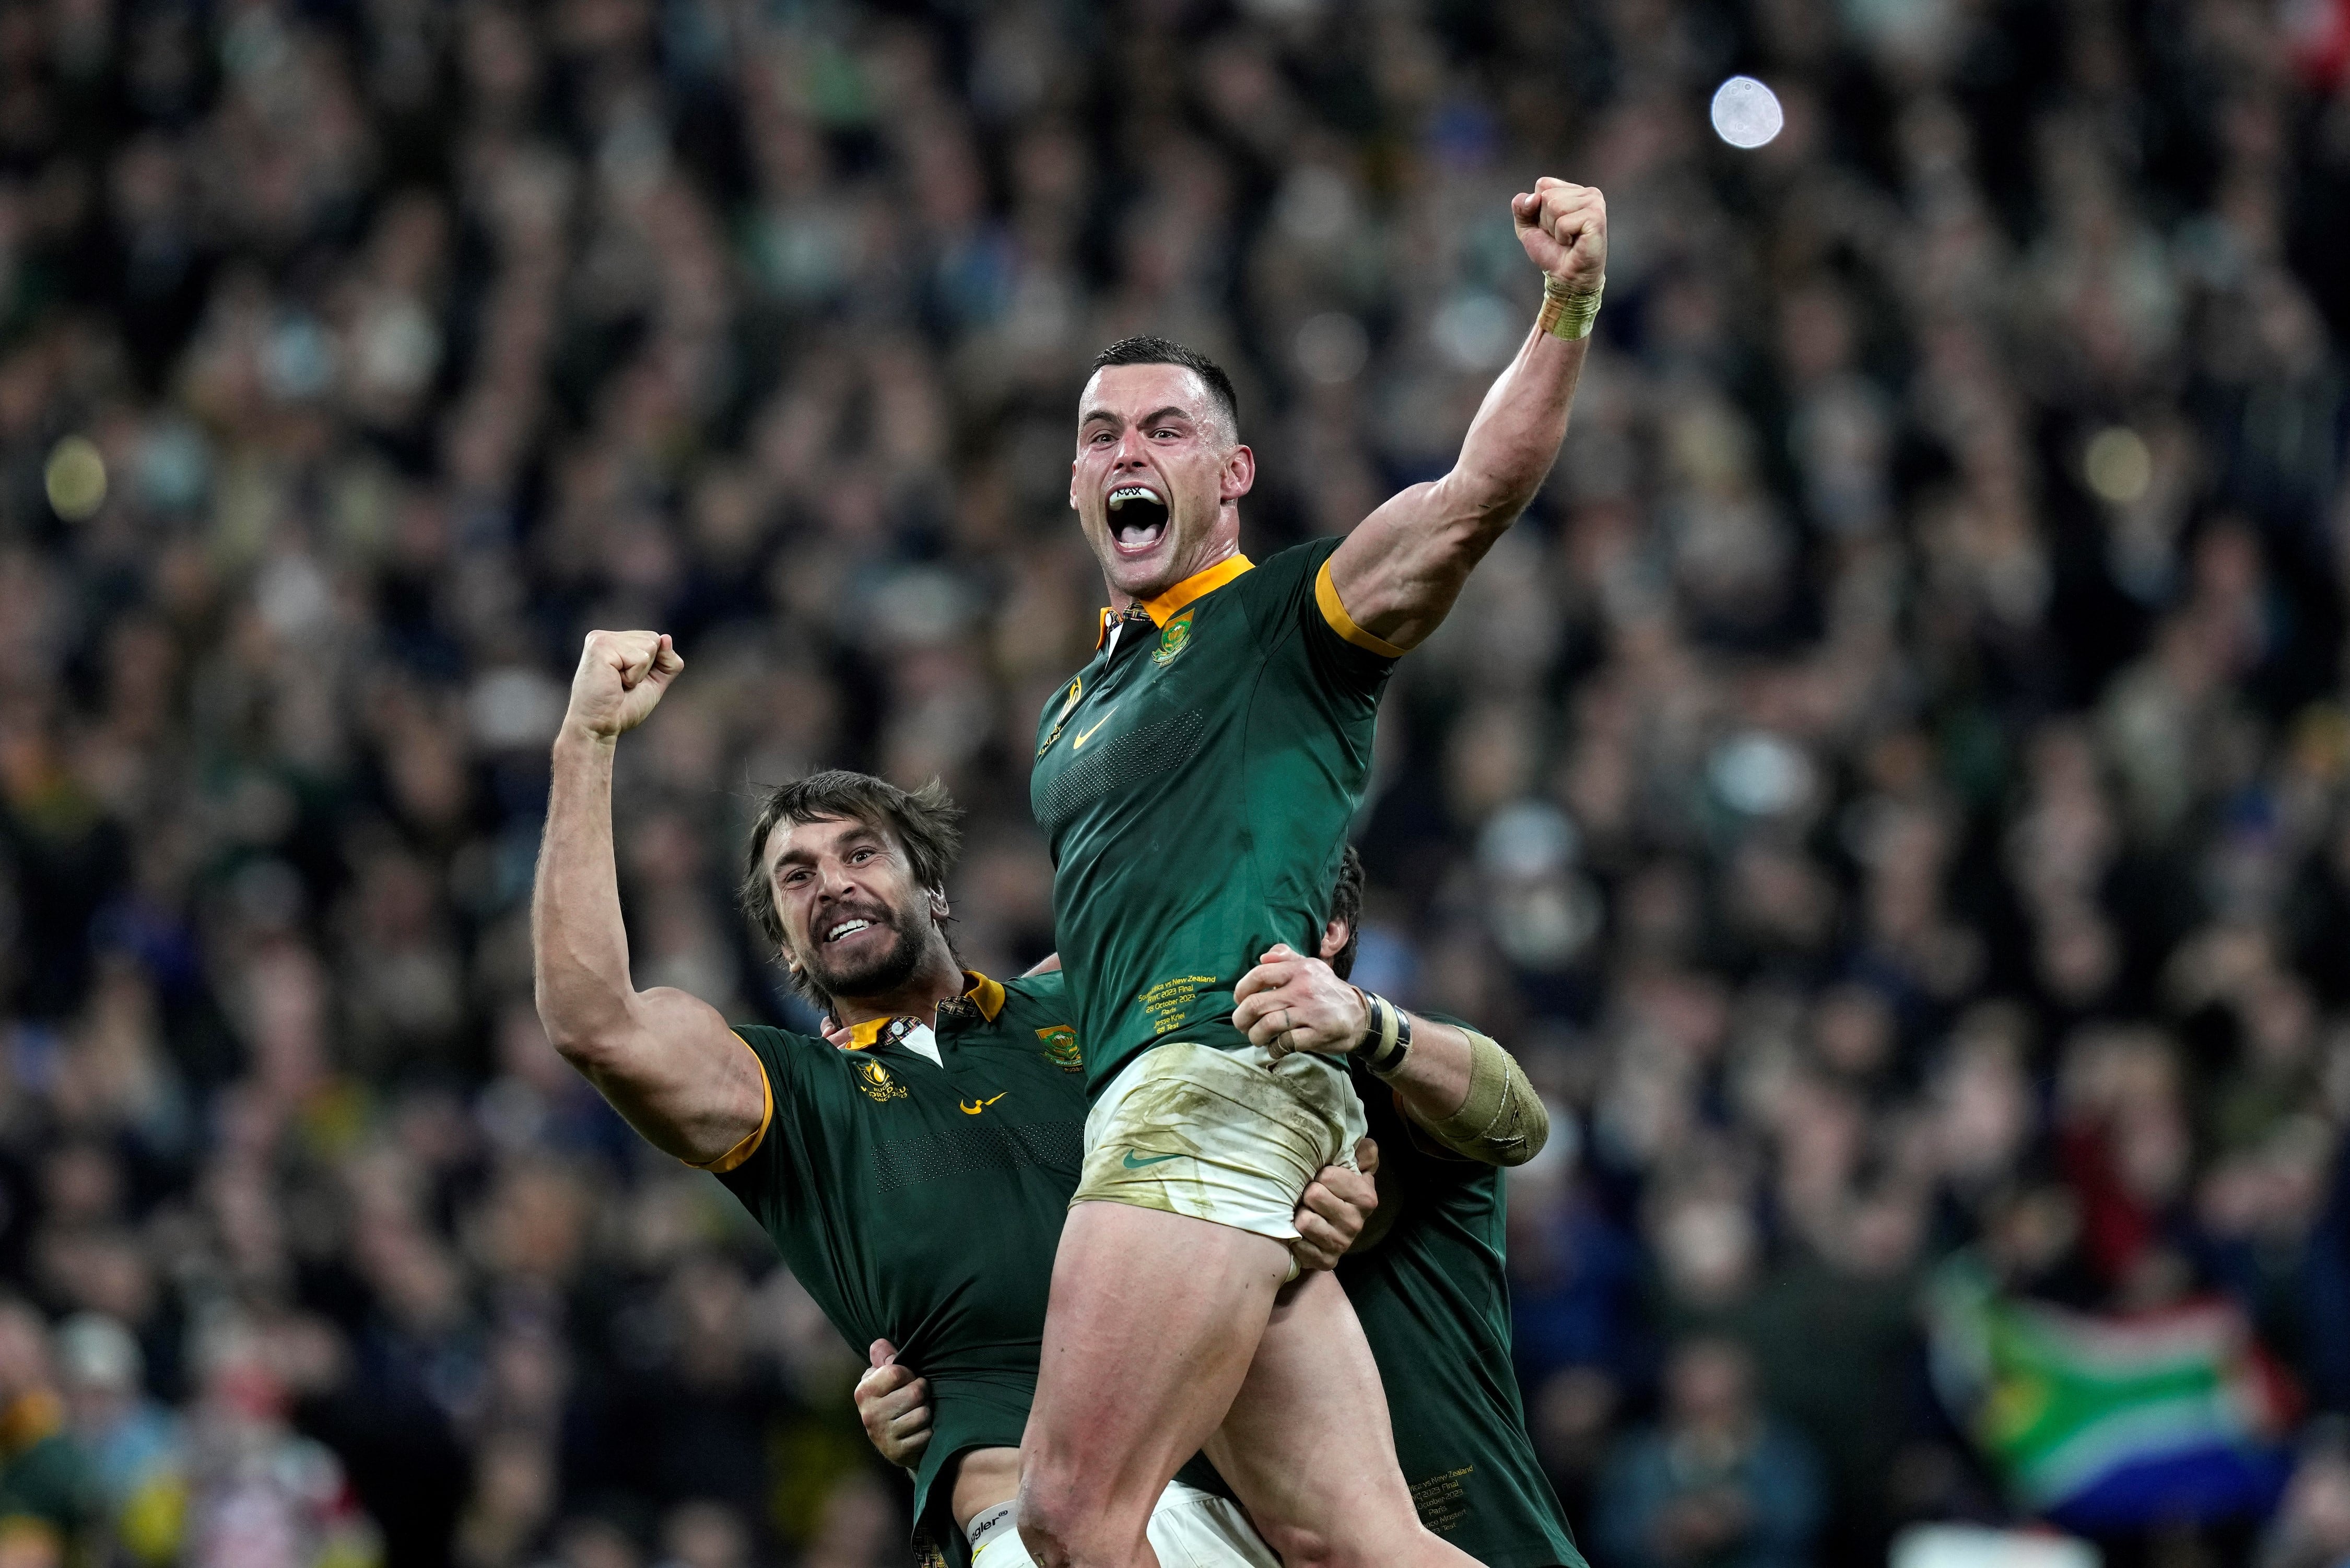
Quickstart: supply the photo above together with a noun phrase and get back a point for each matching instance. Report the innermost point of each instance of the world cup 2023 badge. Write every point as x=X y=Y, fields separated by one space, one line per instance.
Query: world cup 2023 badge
x=874 y=1080
x=1061 y=1048
x=1173 y=638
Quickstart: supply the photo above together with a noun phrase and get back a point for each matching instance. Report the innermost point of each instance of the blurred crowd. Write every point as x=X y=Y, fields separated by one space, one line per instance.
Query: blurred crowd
x=1893 y=789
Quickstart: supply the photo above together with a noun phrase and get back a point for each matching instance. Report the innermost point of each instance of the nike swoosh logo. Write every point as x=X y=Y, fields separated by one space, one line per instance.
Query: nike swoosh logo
x=1078 y=745
x=1134 y=1164
x=972 y=1110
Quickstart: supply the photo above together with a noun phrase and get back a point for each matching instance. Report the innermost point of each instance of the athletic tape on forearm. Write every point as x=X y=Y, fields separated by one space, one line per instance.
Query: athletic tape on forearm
x=1503 y=1121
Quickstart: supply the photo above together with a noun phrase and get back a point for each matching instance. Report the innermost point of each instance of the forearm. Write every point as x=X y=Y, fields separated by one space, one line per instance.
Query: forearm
x=579 y=942
x=1398 y=574
x=1433 y=1081
x=1515 y=436
x=1470 y=1095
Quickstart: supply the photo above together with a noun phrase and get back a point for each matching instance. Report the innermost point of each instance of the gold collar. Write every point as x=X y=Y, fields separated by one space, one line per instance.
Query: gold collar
x=1167 y=606
x=985 y=994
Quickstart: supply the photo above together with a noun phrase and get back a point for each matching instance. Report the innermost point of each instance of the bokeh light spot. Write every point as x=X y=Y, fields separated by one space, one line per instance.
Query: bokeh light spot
x=2118 y=465
x=1332 y=348
x=75 y=478
x=1746 y=113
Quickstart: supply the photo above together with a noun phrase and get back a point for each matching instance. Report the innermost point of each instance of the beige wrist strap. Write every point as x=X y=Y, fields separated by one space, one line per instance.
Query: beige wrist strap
x=1568 y=313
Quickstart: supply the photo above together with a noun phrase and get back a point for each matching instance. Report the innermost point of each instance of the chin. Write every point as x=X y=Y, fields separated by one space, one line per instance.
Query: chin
x=886 y=971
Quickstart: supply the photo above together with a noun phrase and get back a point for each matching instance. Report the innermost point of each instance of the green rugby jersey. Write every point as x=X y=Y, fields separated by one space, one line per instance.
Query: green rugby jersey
x=1194 y=783
x=922 y=1202
x=1434 y=1300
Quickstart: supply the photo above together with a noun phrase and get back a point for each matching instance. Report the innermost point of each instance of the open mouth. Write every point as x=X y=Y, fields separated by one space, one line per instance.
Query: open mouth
x=846 y=929
x=1138 y=518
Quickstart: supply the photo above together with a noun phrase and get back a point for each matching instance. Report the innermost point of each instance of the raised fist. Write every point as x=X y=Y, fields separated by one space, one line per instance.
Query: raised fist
x=619 y=681
x=1565 y=230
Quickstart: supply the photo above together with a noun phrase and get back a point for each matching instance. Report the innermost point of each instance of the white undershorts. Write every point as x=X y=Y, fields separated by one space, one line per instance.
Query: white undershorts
x=1233 y=1136
x=1189 y=1529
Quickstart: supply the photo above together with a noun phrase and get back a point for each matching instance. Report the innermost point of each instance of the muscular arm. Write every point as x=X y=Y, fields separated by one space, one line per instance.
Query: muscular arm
x=1400 y=569
x=665 y=1060
x=1468 y=1092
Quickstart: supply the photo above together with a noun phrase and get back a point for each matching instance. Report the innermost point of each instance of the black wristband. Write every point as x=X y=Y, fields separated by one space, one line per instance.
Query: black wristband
x=1388 y=1041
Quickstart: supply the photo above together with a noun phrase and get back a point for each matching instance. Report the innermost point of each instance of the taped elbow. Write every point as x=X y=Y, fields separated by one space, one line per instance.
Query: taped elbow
x=1502 y=1122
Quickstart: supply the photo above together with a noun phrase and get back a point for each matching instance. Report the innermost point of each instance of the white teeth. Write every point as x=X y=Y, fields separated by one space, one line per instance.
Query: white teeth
x=846 y=928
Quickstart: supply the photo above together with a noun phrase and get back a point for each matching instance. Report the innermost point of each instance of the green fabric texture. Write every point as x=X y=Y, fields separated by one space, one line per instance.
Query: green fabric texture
x=1194 y=783
x=1434 y=1300
x=921 y=1203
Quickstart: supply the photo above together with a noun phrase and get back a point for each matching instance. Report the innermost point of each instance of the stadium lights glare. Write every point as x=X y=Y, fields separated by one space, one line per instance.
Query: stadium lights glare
x=1746 y=113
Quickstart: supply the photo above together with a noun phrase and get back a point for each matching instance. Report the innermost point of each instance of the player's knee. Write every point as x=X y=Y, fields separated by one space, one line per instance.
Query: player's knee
x=1364 y=1539
x=1054 y=1524
x=1300 y=1548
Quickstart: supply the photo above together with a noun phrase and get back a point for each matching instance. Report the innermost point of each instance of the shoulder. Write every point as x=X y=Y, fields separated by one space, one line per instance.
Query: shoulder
x=785 y=1056
x=1286 y=572
x=1045 y=995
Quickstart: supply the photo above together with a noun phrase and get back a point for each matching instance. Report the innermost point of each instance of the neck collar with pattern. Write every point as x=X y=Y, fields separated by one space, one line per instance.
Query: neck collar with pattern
x=985 y=996
x=1165 y=606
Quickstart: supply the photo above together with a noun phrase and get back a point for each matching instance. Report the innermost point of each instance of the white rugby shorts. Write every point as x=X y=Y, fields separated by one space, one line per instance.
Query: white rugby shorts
x=1232 y=1137
x=1188 y=1528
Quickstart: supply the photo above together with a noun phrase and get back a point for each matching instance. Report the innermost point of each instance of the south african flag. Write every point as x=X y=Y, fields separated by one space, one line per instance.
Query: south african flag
x=2105 y=1421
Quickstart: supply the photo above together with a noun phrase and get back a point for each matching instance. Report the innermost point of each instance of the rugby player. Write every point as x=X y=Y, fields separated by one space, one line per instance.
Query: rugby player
x=915 y=1181
x=1431 y=1294
x=1193 y=781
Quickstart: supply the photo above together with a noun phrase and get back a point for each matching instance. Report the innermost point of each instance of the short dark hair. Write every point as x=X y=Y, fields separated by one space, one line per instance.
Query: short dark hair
x=923 y=821
x=1345 y=904
x=1152 y=350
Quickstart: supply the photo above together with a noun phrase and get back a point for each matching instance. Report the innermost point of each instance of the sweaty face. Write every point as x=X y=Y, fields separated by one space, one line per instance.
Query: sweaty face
x=1156 y=467
x=854 y=919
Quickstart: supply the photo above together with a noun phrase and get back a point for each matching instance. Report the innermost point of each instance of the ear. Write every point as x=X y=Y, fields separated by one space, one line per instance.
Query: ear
x=1239 y=475
x=1334 y=940
x=939 y=902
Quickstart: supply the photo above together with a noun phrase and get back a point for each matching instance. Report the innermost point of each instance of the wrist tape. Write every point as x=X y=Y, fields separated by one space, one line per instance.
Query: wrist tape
x=1568 y=313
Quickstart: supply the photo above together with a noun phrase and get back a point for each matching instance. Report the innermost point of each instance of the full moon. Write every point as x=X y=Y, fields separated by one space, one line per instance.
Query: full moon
x=1746 y=113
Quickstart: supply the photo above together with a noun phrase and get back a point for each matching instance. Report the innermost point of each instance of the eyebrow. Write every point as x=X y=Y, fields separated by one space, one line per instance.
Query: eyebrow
x=1153 y=417
x=861 y=833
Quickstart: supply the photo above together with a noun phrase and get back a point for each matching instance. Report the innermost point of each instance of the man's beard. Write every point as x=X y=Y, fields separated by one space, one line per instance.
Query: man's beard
x=886 y=971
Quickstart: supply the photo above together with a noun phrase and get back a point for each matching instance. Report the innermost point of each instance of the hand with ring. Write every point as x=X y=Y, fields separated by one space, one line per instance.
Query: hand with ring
x=1290 y=1003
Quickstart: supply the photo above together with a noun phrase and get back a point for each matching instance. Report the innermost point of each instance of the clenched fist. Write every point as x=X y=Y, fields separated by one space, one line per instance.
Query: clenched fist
x=619 y=681
x=1565 y=230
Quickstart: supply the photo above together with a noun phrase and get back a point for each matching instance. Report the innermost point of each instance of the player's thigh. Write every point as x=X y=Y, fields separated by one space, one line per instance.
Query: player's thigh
x=1306 y=1442
x=1153 y=1321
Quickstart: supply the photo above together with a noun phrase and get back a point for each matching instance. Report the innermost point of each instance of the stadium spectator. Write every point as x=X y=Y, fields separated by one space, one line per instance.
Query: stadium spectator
x=1893 y=790
x=1717 y=1481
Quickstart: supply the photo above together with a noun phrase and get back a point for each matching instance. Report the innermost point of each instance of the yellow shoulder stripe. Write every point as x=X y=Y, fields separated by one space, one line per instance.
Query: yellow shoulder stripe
x=1326 y=593
x=749 y=1146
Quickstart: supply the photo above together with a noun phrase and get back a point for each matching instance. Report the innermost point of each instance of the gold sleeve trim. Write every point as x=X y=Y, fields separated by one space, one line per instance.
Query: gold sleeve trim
x=749 y=1146
x=1326 y=593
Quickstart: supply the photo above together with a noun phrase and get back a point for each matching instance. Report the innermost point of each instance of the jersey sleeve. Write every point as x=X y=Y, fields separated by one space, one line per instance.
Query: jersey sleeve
x=761 y=1171
x=1297 y=606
